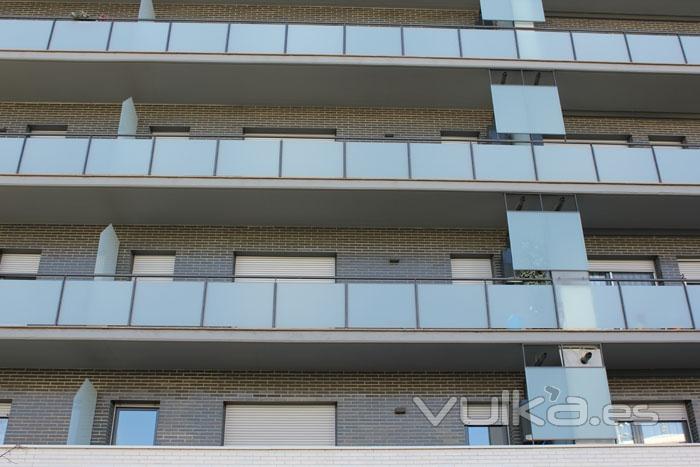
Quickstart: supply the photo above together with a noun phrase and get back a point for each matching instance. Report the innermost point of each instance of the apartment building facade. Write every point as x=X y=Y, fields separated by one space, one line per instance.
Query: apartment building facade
x=366 y=232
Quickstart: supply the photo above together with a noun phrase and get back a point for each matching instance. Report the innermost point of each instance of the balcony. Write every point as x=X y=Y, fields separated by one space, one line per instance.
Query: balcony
x=448 y=65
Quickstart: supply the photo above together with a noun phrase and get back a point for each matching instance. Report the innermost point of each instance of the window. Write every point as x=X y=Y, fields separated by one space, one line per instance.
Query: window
x=470 y=268
x=4 y=415
x=485 y=424
x=667 y=140
x=135 y=425
x=267 y=268
x=632 y=272
x=160 y=266
x=19 y=264
x=458 y=135
x=164 y=130
x=690 y=270
x=672 y=427
x=47 y=130
x=486 y=435
x=279 y=425
x=320 y=133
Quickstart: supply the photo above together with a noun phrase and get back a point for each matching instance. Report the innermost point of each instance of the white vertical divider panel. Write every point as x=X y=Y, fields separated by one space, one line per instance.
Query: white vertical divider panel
x=146 y=10
x=128 y=119
x=107 y=252
x=82 y=414
x=512 y=10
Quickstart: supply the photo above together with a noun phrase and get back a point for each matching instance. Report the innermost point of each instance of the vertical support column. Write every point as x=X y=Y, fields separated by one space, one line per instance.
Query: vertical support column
x=107 y=253
x=82 y=414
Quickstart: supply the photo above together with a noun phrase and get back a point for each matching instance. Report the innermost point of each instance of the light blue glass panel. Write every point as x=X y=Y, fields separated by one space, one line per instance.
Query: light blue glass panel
x=239 y=305
x=96 y=303
x=54 y=155
x=373 y=40
x=527 y=109
x=694 y=297
x=135 y=427
x=446 y=161
x=377 y=160
x=431 y=42
x=198 y=37
x=10 y=149
x=308 y=305
x=545 y=45
x=521 y=306
x=25 y=302
x=651 y=48
x=600 y=47
x=565 y=163
x=488 y=43
x=142 y=36
x=256 y=38
x=512 y=10
x=503 y=162
x=121 y=156
x=452 y=306
x=184 y=157
x=547 y=241
x=312 y=39
x=249 y=158
x=691 y=45
x=381 y=306
x=678 y=165
x=549 y=390
x=18 y=34
x=312 y=158
x=623 y=164
x=80 y=35
x=608 y=308
x=167 y=303
x=656 y=307
x=589 y=307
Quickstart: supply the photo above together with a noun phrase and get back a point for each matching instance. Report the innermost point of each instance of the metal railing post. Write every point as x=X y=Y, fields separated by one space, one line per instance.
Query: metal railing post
x=21 y=155
x=656 y=164
x=87 y=155
x=204 y=302
x=53 y=28
x=134 y=281
x=60 y=301
x=690 y=305
x=417 y=304
x=274 y=305
x=622 y=304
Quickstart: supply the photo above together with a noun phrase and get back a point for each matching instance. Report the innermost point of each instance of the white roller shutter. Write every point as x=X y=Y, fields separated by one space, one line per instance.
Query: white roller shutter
x=483 y=414
x=321 y=267
x=690 y=269
x=666 y=411
x=154 y=265
x=5 y=409
x=19 y=263
x=471 y=268
x=622 y=265
x=279 y=425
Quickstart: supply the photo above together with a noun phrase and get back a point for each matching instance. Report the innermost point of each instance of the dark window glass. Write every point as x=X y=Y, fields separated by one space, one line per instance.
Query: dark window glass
x=135 y=426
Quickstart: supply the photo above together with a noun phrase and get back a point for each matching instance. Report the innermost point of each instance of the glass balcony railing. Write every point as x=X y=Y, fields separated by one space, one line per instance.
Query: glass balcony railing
x=347 y=303
x=352 y=40
x=348 y=159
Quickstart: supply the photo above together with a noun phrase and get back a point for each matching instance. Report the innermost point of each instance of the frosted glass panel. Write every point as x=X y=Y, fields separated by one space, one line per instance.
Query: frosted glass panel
x=312 y=158
x=54 y=156
x=656 y=307
x=308 y=39
x=377 y=160
x=98 y=303
x=249 y=158
x=623 y=164
x=512 y=10
x=589 y=307
x=161 y=303
x=381 y=306
x=521 y=306
x=539 y=45
x=431 y=42
x=547 y=241
x=184 y=157
x=694 y=297
x=373 y=40
x=691 y=45
x=301 y=305
x=565 y=162
x=10 y=150
x=452 y=306
x=24 y=35
x=488 y=43
x=80 y=35
x=447 y=161
x=502 y=162
x=198 y=37
x=144 y=36
x=239 y=305
x=600 y=47
x=655 y=49
x=678 y=165
x=256 y=38
x=121 y=156
x=608 y=307
x=551 y=386
x=527 y=109
x=24 y=302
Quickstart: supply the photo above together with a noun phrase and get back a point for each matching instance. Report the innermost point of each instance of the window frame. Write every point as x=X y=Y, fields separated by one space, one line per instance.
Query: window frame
x=638 y=435
x=489 y=428
x=133 y=407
